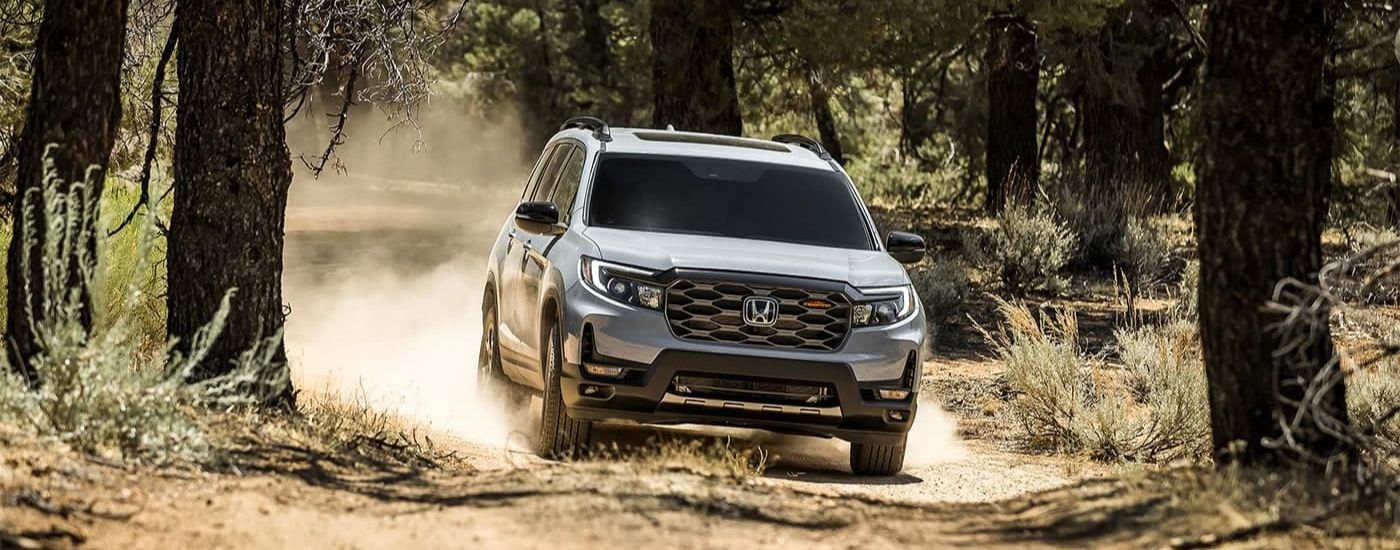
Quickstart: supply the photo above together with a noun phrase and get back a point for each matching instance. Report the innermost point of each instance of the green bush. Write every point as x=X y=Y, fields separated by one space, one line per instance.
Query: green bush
x=95 y=392
x=1026 y=250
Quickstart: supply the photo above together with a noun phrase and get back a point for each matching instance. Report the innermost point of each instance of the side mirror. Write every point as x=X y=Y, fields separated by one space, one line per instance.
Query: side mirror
x=908 y=248
x=537 y=216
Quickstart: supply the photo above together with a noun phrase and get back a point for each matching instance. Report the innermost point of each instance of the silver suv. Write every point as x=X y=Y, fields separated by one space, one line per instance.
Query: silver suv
x=669 y=277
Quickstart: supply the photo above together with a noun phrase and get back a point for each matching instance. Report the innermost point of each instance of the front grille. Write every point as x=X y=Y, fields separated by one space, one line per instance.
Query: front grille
x=754 y=390
x=713 y=312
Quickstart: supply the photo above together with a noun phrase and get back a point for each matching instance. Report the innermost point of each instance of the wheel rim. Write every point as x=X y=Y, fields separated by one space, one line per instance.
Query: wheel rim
x=486 y=365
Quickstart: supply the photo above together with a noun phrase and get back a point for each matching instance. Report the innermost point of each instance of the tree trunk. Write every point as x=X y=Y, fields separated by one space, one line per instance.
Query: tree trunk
x=1261 y=200
x=1125 y=133
x=592 y=52
x=1392 y=204
x=693 y=66
x=232 y=173
x=825 y=119
x=1012 y=63
x=74 y=104
x=540 y=95
x=591 y=56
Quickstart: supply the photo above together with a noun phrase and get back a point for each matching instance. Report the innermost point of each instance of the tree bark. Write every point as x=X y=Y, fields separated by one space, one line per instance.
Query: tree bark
x=1124 y=115
x=1392 y=194
x=693 y=66
x=232 y=173
x=825 y=119
x=1261 y=200
x=591 y=55
x=1013 y=76
x=592 y=52
x=74 y=104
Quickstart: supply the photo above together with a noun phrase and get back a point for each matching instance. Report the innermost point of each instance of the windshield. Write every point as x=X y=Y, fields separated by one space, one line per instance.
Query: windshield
x=727 y=198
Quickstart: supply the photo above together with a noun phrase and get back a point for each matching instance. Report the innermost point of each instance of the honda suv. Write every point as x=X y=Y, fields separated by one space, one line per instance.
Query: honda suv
x=669 y=277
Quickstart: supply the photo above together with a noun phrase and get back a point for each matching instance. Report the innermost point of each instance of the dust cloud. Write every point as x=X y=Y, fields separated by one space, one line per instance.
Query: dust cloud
x=384 y=264
x=385 y=269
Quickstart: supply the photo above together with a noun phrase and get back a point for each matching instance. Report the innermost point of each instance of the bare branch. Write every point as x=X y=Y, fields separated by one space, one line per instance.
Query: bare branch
x=338 y=129
x=157 y=104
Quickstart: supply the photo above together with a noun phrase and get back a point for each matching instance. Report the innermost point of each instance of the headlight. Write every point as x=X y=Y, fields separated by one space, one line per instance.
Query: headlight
x=621 y=283
x=882 y=310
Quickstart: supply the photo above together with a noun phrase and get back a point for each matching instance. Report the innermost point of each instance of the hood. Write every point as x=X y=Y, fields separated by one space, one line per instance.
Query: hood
x=663 y=251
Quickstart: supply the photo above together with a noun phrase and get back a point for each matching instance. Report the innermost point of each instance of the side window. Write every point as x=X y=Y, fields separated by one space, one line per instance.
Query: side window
x=545 y=173
x=569 y=178
x=551 y=173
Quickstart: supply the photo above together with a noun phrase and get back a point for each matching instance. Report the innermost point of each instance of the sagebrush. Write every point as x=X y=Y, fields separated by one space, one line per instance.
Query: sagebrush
x=91 y=389
x=1025 y=251
x=943 y=288
x=1153 y=410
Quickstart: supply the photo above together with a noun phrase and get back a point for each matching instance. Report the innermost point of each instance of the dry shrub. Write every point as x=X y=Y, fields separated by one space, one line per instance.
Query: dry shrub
x=1098 y=214
x=1046 y=371
x=1155 y=410
x=1026 y=250
x=92 y=390
x=943 y=289
x=1164 y=369
x=1350 y=286
x=1372 y=394
x=1143 y=254
x=1188 y=292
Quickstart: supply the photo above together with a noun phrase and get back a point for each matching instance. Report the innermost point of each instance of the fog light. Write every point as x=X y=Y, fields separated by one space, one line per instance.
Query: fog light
x=894 y=394
x=603 y=370
x=897 y=416
x=595 y=391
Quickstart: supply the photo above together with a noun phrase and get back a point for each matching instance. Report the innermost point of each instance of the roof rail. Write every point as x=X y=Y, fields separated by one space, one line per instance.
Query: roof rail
x=600 y=129
x=805 y=143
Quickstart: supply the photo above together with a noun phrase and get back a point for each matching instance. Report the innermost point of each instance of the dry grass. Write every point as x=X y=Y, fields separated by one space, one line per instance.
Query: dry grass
x=712 y=457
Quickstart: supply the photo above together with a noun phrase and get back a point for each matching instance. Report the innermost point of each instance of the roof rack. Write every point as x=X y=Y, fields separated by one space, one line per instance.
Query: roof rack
x=805 y=143
x=600 y=129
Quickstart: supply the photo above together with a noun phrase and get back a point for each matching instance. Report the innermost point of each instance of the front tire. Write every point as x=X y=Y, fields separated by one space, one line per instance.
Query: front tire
x=561 y=436
x=871 y=459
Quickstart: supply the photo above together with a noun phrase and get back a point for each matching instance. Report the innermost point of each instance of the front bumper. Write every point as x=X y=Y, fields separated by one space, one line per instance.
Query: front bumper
x=650 y=398
x=641 y=341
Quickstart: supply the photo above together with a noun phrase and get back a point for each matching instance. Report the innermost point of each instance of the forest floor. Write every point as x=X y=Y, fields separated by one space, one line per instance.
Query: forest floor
x=970 y=481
